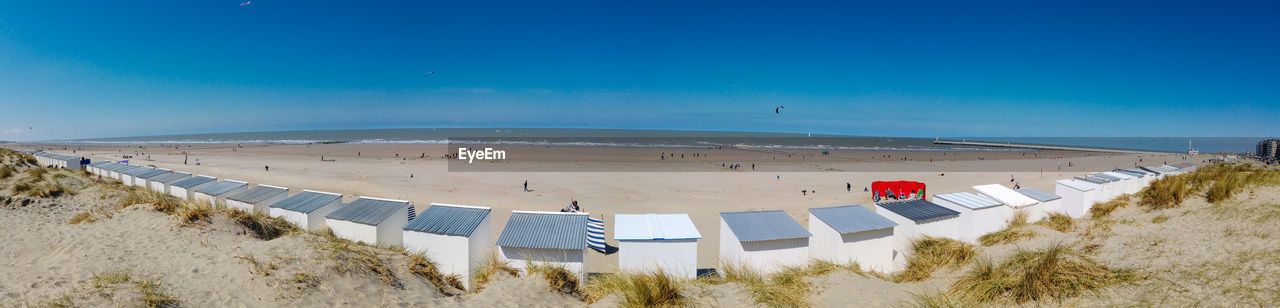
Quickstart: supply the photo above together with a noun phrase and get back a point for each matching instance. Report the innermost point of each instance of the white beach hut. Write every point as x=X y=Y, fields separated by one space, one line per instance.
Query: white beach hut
x=1014 y=201
x=1078 y=196
x=217 y=193
x=845 y=234
x=917 y=218
x=104 y=170
x=1109 y=189
x=307 y=209
x=142 y=179
x=767 y=241
x=979 y=215
x=162 y=183
x=128 y=177
x=456 y=237
x=1144 y=178
x=652 y=242
x=119 y=172
x=257 y=200
x=95 y=168
x=371 y=220
x=1129 y=184
x=1049 y=203
x=186 y=189
x=546 y=238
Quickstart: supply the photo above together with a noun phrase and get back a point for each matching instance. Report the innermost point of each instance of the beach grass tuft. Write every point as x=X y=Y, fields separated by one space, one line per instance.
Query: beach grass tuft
x=489 y=269
x=1159 y=219
x=195 y=213
x=558 y=277
x=90 y=216
x=1052 y=273
x=423 y=267
x=351 y=258
x=256 y=267
x=1015 y=231
x=932 y=253
x=1103 y=209
x=155 y=294
x=262 y=227
x=7 y=171
x=655 y=289
x=160 y=202
x=1059 y=222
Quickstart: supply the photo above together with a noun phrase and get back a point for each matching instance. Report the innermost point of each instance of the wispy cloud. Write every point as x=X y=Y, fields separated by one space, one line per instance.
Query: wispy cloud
x=13 y=132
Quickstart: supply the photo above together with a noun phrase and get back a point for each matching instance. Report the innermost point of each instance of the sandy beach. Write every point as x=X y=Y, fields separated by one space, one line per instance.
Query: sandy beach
x=696 y=186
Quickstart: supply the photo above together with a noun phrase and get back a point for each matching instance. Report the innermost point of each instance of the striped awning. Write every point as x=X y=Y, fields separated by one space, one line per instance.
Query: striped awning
x=595 y=234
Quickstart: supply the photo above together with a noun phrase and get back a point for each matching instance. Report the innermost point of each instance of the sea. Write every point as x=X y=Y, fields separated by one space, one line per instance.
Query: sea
x=672 y=138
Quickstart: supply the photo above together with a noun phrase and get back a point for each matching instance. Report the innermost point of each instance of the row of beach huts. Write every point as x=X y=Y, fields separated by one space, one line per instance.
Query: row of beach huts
x=458 y=237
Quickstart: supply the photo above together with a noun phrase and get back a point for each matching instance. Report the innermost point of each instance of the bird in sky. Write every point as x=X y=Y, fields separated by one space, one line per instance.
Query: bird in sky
x=429 y=74
x=246 y=3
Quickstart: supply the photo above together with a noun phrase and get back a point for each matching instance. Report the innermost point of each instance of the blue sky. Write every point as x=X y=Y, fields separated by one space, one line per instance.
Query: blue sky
x=83 y=69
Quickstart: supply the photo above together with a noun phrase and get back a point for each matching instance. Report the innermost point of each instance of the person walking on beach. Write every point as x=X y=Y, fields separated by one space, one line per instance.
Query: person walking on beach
x=526 y=185
x=267 y=168
x=848 y=187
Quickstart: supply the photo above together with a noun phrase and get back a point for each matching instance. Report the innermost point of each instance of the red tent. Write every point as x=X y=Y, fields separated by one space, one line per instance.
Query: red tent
x=901 y=189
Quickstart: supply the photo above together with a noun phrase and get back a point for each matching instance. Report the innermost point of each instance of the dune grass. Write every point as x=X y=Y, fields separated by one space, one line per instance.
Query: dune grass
x=1219 y=183
x=262 y=227
x=1014 y=231
x=785 y=288
x=153 y=292
x=423 y=267
x=1058 y=222
x=558 y=277
x=194 y=213
x=91 y=216
x=932 y=253
x=1052 y=273
x=7 y=171
x=489 y=269
x=257 y=267
x=160 y=202
x=1104 y=209
x=347 y=257
x=635 y=289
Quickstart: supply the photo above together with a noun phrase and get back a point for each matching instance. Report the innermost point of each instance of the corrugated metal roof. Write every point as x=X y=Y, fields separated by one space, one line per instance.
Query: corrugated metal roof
x=1135 y=174
x=1150 y=170
x=171 y=177
x=192 y=182
x=369 y=211
x=969 y=200
x=917 y=209
x=1037 y=194
x=1078 y=185
x=449 y=219
x=126 y=169
x=306 y=201
x=221 y=187
x=257 y=194
x=152 y=173
x=545 y=231
x=654 y=227
x=139 y=170
x=1005 y=195
x=113 y=166
x=851 y=218
x=763 y=226
x=1108 y=177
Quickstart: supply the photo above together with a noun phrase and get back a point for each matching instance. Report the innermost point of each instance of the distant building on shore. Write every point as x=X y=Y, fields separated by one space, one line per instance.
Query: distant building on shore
x=1269 y=148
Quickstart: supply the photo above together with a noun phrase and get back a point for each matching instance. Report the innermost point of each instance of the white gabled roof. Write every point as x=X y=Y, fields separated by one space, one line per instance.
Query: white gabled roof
x=1079 y=185
x=654 y=227
x=1005 y=195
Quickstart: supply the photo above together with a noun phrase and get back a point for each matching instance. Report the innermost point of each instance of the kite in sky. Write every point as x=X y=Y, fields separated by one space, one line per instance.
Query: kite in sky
x=778 y=110
x=429 y=74
x=246 y=3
